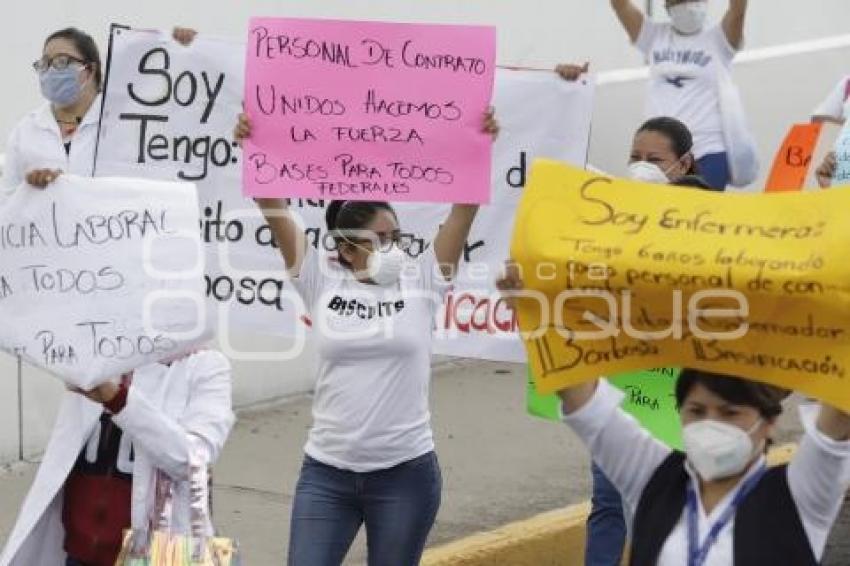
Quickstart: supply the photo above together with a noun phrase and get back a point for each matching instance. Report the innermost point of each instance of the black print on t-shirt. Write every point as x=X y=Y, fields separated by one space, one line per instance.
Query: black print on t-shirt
x=353 y=307
x=678 y=82
x=681 y=57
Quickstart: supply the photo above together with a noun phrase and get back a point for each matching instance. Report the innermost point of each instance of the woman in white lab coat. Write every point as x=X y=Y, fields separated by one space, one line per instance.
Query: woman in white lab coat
x=61 y=134
x=96 y=475
x=86 y=485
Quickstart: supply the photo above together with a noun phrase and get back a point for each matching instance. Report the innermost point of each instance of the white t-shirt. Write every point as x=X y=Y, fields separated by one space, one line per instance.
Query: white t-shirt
x=837 y=104
x=683 y=80
x=370 y=410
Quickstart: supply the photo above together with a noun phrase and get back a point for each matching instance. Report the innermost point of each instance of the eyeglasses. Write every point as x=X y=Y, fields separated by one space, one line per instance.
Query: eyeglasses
x=57 y=62
x=384 y=241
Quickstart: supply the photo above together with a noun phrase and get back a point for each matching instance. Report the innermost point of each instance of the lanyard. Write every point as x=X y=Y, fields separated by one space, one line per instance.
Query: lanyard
x=697 y=554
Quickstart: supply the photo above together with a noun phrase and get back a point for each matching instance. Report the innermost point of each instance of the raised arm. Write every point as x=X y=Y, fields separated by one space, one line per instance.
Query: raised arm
x=288 y=236
x=834 y=424
x=627 y=453
x=826 y=170
x=448 y=245
x=184 y=36
x=733 y=23
x=630 y=16
x=832 y=108
x=817 y=476
x=576 y=397
x=827 y=120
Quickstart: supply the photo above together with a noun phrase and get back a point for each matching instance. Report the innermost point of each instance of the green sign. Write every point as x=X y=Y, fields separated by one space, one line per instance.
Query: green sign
x=650 y=398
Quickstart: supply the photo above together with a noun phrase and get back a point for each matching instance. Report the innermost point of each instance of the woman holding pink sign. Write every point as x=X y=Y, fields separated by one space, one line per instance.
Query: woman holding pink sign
x=370 y=452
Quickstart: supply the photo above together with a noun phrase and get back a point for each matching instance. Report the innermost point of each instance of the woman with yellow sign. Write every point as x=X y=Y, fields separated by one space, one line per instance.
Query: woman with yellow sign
x=717 y=502
x=661 y=153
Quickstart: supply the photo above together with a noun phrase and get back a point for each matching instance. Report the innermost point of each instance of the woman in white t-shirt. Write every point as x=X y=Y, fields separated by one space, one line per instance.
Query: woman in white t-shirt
x=687 y=61
x=370 y=452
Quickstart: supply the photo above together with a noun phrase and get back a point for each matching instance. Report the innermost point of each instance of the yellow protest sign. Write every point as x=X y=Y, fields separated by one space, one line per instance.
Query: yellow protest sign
x=622 y=275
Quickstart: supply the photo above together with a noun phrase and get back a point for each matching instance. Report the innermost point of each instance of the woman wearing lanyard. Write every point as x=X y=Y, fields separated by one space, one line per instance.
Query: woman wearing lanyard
x=61 y=135
x=718 y=504
x=370 y=452
x=689 y=62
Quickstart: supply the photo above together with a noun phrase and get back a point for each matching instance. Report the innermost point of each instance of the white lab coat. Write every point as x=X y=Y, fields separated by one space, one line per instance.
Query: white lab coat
x=36 y=143
x=169 y=411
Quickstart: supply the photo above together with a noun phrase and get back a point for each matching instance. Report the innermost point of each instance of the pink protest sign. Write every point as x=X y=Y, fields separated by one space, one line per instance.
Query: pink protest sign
x=368 y=111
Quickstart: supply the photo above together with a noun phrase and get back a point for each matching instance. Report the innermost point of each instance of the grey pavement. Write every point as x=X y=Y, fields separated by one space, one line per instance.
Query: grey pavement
x=499 y=465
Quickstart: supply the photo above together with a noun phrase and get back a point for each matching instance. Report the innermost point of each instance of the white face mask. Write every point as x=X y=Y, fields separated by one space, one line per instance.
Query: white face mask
x=648 y=173
x=384 y=267
x=718 y=450
x=688 y=17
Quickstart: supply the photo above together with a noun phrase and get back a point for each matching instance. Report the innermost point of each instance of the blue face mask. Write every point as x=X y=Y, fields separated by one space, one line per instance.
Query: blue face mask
x=61 y=86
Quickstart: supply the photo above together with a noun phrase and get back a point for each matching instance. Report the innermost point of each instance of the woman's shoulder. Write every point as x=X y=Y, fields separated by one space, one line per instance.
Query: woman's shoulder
x=41 y=115
x=208 y=362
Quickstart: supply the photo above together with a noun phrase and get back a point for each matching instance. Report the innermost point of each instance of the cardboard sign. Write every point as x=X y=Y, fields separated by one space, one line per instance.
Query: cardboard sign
x=368 y=110
x=650 y=398
x=101 y=276
x=630 y=276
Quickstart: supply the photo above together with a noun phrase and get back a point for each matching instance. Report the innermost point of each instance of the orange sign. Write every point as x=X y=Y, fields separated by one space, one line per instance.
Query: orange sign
x=791 y=165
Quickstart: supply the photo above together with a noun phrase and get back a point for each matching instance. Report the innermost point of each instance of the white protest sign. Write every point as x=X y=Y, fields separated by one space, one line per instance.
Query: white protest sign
x=169 y=113
x=540 y=115
x=100 y=276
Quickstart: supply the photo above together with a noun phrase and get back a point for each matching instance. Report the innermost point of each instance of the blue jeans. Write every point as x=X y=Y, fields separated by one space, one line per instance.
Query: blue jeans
x=606 y=525
x=72 y=562
x=714 y=168
x=398 y=507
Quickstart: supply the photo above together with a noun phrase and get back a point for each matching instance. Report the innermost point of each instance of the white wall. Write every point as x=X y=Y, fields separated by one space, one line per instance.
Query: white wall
x=531 y=32
x=535 y=33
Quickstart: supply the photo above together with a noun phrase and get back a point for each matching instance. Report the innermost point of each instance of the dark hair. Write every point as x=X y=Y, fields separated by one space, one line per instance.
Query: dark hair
x=694 y=181
x=767 y=399
x=344 y=215
x=85 y=44
x=679 y=135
